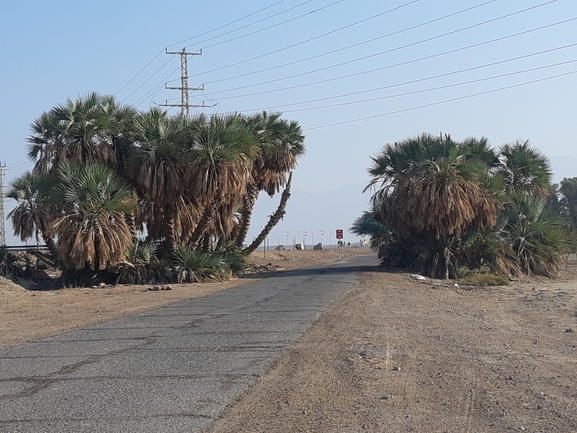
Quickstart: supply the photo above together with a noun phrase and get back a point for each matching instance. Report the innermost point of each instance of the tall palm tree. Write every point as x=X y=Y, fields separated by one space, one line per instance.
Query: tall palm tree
x=44 y=141
x=119 y=130
x=480 y=150
x=273 y=220
x=156 y=167
x=281 y=143
x=223 y=151
x=87 y=129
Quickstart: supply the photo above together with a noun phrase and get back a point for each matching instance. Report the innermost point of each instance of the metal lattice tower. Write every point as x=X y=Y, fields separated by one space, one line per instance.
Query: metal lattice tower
x=184 y=89
x=2 y=196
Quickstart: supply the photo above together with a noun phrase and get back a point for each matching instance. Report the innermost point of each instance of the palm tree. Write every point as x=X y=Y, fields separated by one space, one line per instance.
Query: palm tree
x=92 y=232
x=430 y=190
x=91 y=128
x=535 y=234
x=78 y=131
x=119 y=130
x=433 y=184
x=33 y=215
x=281 y=143
x=525 y=169
x=442 y=196
x=394 y=159
x=44 y=141
x=568 y=189
x=156 y=167
x=480 y=150
x=223 y=152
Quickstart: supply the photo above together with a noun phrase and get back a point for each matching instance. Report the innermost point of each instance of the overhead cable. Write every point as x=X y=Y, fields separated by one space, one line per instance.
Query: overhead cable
x=459 y=98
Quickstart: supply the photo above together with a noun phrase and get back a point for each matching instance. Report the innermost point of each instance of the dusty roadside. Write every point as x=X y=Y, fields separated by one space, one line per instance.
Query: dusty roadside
x=395 y=355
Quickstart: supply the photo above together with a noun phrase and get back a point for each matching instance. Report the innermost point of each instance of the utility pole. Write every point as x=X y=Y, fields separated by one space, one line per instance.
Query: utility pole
x=2 y=196
x=184 y=89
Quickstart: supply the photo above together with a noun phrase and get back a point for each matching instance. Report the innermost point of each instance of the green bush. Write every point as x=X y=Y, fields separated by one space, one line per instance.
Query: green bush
x=190 y=266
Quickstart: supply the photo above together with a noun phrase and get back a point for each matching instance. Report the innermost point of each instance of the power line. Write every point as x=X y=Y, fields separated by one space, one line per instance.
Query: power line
x=257 y=22
x=21 y=166
x=23 y=161
x=447 y=86
x=278 y=24
x=389 y=50
x=157 y=88
x=157 y=71
x=302 y=42
x=486 y=92
x=207 y=32
x=152 y=93
x=349 y=46
x=139 y=72
x=389 y=86
x=394 y=65
x=325 y=34
x=233 y=22
x=332 y=4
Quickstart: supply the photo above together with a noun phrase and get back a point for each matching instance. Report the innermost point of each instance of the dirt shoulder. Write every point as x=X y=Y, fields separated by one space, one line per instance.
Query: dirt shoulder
x=396 y=355
x=30 y=315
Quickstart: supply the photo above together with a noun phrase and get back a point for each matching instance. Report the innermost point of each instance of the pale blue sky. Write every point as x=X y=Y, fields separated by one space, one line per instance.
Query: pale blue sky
x=357 y=59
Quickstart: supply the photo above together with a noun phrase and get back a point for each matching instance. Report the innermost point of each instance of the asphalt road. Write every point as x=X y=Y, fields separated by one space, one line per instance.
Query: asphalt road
x=173 y=369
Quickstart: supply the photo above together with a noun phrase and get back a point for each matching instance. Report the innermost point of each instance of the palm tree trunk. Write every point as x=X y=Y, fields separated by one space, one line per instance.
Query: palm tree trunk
x=248 y=205
x=274 y=219
x=206 y=243
x=447 y=256
x=219 y=244
x=131 y=223
x=51 y=245
x=203 y=224
x=169 y=232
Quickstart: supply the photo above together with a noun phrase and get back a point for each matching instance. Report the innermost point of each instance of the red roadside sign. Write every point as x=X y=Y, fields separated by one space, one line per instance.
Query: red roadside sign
x=339 y=233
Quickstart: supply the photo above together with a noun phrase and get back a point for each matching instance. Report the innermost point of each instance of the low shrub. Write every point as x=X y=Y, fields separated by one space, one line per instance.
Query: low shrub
x=482 y=277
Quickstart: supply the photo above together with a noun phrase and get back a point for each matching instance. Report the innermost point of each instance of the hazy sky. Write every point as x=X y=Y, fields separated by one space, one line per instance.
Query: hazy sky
x=356 y=74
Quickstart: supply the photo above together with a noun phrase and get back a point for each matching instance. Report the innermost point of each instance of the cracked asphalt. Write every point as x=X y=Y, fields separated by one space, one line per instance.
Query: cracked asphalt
x=172 y=369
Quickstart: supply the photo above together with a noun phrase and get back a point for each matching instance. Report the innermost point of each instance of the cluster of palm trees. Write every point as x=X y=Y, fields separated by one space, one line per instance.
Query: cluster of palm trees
x=106 y=177
x=443 y=207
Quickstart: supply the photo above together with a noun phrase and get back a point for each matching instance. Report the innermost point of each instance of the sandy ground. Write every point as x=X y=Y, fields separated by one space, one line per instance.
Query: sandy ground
x=394 y=355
